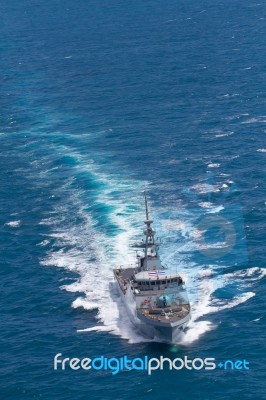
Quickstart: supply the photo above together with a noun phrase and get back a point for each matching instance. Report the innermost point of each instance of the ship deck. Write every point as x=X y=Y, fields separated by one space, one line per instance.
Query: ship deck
x=124 y=276
x=166 y=315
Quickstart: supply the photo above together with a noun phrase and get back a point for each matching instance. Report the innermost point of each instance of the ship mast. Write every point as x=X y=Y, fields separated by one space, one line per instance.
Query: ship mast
x=150 y=259
x=149 y=234
x=146 y=206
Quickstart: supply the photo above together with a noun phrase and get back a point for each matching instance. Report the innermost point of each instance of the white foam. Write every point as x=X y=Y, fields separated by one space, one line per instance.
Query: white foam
x=261 y=150
x=211 y=208
x=249 y=274
x=205 y=188
x=224 y=134
x=206 y=204
x=47 y=221
x=214 y=165
x=233 y=303
x=255 y=120
x=84 y=303
x=43 y=243
x=195 y=330
x=215 y=210
x=13 y=224
x=88 y=251
x=206 y=306
x=97 y=328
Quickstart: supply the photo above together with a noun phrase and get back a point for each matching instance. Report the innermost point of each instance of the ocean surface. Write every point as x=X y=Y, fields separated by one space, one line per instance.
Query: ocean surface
x=101 y=100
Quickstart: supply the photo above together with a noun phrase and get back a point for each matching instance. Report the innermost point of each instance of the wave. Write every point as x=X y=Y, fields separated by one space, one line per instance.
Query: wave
x=214 y=165
x=210 y=207
x=13 y=224
x=255 y=120
x=249 y=274
x=224 y=134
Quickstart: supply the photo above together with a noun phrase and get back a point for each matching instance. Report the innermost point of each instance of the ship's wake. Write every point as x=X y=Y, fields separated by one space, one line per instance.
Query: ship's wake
x=90 y=240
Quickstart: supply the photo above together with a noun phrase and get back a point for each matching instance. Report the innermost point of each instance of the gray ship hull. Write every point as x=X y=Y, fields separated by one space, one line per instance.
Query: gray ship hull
x=169 y=334
x=154 y=330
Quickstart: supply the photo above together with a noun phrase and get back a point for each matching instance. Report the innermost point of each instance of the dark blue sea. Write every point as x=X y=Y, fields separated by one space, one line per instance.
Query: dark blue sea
x=101 y=100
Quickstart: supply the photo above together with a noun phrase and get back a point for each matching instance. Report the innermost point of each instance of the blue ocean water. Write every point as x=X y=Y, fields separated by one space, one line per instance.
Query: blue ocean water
x=99 y=101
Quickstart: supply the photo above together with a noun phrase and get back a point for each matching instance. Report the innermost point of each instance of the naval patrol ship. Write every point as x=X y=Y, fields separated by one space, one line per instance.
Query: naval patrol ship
x=156 y=300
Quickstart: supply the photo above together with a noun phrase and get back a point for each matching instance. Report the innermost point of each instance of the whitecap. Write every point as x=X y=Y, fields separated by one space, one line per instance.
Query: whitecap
x=43 y=243
x=214 y=165
x=211 y=208
x=222 y=305
x=224 y=134
x=205 y=188
x=81 y=302
x=13 y=224
x=249 y=274
x=254 y=120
